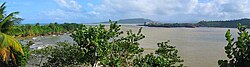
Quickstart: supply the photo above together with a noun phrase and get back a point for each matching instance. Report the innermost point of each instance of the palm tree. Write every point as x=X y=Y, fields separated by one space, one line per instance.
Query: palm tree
x=7 y=21
x=8 y=44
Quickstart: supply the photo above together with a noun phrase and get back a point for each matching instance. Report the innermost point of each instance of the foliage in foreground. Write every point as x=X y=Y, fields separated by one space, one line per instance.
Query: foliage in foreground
x=107 y=46
x=238 y=51
x=22 y=59
x=64 y=54
x=100 y=46
x=39 y=55
x=10 y=48
x=166 y=56
x=9 y=45
x=7 y=21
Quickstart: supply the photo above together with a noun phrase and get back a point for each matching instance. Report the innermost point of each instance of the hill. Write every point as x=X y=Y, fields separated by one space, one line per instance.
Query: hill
x=227 y=23
x=132 y=21
x=223 y=24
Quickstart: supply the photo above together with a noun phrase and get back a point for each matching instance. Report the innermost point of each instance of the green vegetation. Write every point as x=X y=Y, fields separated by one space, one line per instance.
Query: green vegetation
x=9 y=45
x=10 y=48
x=223 y=24
x=41 y=55
x=155 y=24
x=238 y=51
x=22 y=59
x=166 y=56
x=227 y=23
x=72 y=55
x=37 y=29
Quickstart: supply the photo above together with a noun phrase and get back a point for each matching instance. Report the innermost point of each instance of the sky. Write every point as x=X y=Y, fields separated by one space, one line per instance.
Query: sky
x=90 y=11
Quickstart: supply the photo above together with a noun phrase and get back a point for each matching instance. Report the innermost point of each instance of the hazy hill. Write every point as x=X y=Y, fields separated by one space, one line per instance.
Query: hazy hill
x=226 y=23
x=223 y=24
x=132 y=21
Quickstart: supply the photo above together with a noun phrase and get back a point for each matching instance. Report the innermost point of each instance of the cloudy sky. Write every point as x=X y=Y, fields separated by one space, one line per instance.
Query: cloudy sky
x=87 y=11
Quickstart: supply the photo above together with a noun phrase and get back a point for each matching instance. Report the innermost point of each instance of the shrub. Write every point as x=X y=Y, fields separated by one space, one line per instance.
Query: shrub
x=166 y=56
x=238 y=52
x=64 y=54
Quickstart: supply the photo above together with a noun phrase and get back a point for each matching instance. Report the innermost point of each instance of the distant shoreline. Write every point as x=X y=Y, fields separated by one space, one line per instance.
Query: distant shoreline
x=185 y=27
x=109 y=24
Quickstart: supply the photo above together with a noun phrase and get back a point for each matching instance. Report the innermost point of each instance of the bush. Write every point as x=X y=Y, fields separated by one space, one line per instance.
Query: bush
x=106 y=45
x=22 y=59
x=166 y=56
x=238 y=51
x=64 y=54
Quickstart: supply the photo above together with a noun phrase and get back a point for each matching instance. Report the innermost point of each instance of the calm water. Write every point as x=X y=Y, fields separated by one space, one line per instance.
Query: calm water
x=199 y=47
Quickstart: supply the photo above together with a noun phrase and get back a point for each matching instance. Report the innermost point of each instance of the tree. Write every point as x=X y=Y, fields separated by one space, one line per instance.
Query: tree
x=29 y=30
x=71 y=55
x=8 y=44
x=37 y=24
x=7 y=20
x=22 y=59
x=238 y=52
x=123 y=49
x=94 y=41
x=40 y=54
x=166 y=56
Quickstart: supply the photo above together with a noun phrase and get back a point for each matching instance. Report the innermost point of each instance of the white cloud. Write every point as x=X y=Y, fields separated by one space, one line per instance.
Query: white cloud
x=159 y=10
x=168 y=10
x=93 y=13
x=152 y=9
x=69 y=4
x=68 y=11
x=64 y=16
x=225 y=9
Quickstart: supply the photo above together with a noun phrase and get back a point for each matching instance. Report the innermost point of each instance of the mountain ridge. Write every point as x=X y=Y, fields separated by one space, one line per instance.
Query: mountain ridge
x=132 y=21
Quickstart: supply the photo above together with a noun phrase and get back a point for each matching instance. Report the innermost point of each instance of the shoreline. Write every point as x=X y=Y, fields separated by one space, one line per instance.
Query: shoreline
x=184 y=27
x=28 y=37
